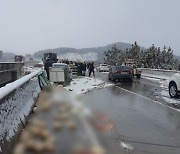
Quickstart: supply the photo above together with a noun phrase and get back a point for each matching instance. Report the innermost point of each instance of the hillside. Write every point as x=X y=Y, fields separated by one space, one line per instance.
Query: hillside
x=95 y=53
x=8 y=56
x=177 y=57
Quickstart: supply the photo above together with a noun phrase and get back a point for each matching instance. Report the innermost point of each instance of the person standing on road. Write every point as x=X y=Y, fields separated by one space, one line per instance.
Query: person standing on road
x=91 y=69
x=47 y=65
x=84 y=69
x=79 y=69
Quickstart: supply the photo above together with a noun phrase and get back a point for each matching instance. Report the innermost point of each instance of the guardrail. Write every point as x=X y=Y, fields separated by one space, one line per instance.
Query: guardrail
x=16 y=84
x=16 y=102
x=158 y=73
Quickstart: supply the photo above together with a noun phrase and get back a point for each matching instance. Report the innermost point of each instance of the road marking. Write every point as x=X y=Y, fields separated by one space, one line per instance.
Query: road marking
x=147 y=98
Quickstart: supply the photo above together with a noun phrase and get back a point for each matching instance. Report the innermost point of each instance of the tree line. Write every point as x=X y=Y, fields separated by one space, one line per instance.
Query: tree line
x=152 y=57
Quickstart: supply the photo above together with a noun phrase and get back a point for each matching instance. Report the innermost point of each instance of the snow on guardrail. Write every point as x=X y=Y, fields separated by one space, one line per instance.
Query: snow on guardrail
x=12 y=86
x=158 y=73
x=16 y=107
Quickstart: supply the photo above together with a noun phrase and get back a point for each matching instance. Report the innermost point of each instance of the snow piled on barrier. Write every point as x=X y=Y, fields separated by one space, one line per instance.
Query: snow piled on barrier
x=157 y=73
x=15 y=108
x=12 y=86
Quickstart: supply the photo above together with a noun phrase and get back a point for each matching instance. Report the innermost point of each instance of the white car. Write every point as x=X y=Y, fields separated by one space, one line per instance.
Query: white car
x=174 y=85
x=103 y=68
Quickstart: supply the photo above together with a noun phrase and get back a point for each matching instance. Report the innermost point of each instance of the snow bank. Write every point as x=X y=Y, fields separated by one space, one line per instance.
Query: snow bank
x=161 y=76
x=155 y=76
x=84 y=84
x=14 y=85
x=166 y=98
x=165 y=93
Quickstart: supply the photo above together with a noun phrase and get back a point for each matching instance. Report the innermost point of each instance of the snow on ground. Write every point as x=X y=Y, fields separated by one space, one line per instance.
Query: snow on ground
x=84 y=84
x=164 y=83
x=155 y=76
x=14 y=110
x=29 y=69
x=167 y=98
x=153 y=79
x=171 y=101
x=165 y=93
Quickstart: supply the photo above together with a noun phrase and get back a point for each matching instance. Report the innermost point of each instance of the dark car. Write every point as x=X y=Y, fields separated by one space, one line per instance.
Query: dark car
x=120 y=73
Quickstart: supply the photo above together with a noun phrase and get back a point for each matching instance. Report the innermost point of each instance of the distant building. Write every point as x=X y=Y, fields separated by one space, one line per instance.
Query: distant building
x=1 y=55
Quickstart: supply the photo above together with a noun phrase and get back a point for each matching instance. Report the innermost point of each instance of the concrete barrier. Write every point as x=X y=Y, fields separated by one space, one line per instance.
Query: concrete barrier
x=158 y=73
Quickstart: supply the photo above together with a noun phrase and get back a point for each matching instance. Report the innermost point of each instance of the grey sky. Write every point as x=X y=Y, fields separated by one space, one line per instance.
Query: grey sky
x=27 y=26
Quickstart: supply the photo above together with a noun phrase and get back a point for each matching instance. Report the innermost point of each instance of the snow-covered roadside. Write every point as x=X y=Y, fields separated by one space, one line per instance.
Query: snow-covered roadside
x=85 y=84
x=14 y=110
x=154 y=76
x=166 y=97
x=29 y=69
x=165 y=93
x=152 y=79
x=164 y=82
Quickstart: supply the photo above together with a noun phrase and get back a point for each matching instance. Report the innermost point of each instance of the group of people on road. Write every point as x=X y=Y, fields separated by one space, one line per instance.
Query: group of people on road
x=81 y=67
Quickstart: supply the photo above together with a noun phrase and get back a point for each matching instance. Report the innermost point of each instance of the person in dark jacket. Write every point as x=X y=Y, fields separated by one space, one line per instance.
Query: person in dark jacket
x=84 y=69
x=91 y=69
x=79 y=69
x=47 y=65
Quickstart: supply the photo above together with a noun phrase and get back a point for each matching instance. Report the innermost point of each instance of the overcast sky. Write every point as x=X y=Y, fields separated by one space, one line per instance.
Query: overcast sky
x=27 y=26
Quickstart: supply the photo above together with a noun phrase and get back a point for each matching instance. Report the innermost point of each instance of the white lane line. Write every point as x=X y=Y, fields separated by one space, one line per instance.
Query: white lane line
x=178 y=110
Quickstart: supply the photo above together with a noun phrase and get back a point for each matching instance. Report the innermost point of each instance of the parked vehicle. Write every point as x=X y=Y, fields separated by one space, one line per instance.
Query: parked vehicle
x=19 y=58
x=137 y=73
x=174 y=85
x=120 y=72
x=133 y=63
x=103 y=68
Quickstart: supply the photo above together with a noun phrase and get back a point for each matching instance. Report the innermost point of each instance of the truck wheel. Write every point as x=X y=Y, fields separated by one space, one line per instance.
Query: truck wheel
x=173 y=90
x=138 y=76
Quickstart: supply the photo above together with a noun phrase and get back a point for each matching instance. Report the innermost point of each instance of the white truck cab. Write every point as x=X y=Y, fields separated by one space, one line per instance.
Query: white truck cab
x=174 y=85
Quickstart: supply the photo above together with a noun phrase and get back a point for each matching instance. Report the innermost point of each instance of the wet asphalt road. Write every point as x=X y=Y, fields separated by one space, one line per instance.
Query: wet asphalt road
x=148 y=126
x=155 y=90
